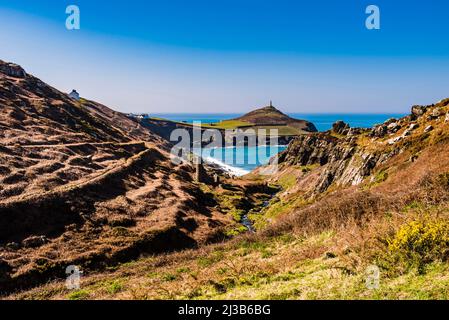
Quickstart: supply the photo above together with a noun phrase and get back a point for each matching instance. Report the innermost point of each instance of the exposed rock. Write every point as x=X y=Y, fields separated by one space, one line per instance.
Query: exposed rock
x=330 y=255
x=316 y=149
x=35 y=241
x=418 y=111
x=414 y=126
x=393 y=127
x=379 y=131
x=389 y=121
x=407 y=133
x=436 y=113
x=447 y=117
x=395 y=140
x=13 y=246
x=340 y=127
x=343 y=163
x=428 y=128
x=12 y=70
x=354 y=131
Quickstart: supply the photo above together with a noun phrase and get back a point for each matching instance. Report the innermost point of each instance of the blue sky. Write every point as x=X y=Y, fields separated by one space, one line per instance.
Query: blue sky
x=231 y=56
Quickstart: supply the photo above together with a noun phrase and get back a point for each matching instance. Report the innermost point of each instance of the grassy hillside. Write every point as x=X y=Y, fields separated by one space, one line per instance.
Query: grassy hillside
x=83 y=184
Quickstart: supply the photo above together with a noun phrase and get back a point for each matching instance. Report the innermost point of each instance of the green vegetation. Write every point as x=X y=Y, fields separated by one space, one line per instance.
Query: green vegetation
x=79 y=295
x=308 y=168
x=377 y=179
x=287 y=181
x=115 y=287
x=210 y=260
x=169 y=277
x=236 y=231
x=281 y=130
x=237 y=201
x=229 y=124
x=419 y=243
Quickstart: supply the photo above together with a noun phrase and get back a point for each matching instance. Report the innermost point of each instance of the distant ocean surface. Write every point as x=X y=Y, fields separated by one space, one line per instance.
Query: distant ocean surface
x=242 y=160
x=322 y=122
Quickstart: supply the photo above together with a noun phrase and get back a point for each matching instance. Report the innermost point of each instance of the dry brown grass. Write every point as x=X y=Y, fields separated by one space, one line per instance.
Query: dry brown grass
x=89 y=186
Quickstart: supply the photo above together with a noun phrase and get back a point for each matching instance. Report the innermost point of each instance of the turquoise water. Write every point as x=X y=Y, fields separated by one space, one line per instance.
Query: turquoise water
x=241 y=160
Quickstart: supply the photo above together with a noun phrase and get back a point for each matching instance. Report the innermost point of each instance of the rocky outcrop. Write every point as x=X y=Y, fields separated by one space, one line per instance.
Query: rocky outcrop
x=340 y=127
x=418 y=111
x=343 y=162
x=344 y=159
x=12 y=70
x=379 y=131
x=316 y=149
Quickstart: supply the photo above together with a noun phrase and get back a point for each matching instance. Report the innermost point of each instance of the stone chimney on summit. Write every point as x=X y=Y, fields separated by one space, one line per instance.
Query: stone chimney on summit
x=74 y=95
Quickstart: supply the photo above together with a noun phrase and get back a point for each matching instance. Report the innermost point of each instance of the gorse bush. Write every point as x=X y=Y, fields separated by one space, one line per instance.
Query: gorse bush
x=420 y=242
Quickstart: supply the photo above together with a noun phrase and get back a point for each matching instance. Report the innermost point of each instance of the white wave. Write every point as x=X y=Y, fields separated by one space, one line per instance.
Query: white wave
x=229 y=169
x=265 y=146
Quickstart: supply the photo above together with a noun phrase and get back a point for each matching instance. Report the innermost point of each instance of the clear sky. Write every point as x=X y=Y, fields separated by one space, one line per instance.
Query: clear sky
x=231 y=56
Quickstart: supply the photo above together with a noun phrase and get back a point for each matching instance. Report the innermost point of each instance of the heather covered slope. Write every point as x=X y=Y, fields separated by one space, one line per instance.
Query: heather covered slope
x=83 y=184
x=350 y=199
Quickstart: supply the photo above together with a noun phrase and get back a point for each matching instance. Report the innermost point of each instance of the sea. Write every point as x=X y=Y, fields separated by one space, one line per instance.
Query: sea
x=242 y=160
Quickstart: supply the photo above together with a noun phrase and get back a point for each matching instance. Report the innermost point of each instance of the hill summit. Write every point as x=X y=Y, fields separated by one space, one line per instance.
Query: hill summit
x=270 y=115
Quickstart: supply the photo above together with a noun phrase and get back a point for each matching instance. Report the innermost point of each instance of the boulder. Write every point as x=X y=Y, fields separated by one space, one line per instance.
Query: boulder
x=428 y=129
x=407 y=133
x=330 y=255
x=447 y=117
x=393 y=127
x=13 y=246
x=395 y=140
x=340 y=127
x=379 y=131
x=418 y=111
x=436 y=113
x=413 y=126
x=413 y=158
x=35 y=241
x=390 y=120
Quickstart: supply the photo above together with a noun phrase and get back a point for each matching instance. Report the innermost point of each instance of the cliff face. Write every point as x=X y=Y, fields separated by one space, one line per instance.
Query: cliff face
x=347 y=156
